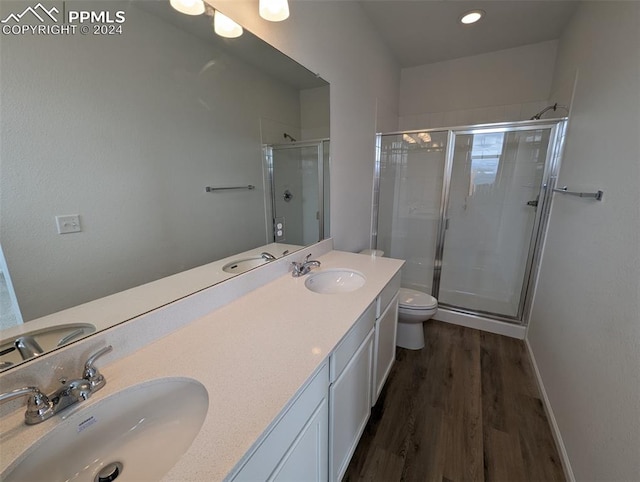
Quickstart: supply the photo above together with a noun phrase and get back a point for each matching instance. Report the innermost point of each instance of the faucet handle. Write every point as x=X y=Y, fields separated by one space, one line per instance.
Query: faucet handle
x=91 y=373
x=39 y=407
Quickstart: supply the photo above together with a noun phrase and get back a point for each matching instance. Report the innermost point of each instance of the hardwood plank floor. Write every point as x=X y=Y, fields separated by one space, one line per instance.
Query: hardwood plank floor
x=465 y=408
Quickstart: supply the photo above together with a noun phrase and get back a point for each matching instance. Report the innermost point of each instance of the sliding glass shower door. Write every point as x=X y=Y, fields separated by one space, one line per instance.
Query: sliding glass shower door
x=410 y=172
x=491 y=216
x=466 y=209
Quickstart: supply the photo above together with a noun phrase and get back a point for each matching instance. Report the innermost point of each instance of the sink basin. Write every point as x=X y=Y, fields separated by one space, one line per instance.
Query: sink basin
x=48 y=339
x=143 y=430
x=238 y=266
x=332 y=281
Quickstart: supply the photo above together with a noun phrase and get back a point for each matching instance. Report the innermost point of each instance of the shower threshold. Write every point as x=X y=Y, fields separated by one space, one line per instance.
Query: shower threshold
x=500 y=327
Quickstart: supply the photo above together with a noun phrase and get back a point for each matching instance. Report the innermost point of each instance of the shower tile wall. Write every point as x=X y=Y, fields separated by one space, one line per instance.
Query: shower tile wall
x=479 y=115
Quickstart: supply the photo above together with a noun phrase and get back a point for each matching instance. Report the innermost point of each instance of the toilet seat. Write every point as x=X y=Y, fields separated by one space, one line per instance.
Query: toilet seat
x=412 y=300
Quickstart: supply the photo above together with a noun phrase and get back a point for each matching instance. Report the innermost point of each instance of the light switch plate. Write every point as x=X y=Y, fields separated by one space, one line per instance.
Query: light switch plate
x=69 y=223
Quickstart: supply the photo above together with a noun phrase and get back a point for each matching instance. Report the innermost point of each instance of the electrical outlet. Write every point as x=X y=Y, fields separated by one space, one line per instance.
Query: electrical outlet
x=69 y=223
x=278 y=230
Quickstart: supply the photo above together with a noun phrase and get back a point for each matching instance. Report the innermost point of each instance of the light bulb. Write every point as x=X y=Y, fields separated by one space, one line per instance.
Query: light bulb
x=472 y=17
x=190 y=7
x=225 y=27
x=274 y=10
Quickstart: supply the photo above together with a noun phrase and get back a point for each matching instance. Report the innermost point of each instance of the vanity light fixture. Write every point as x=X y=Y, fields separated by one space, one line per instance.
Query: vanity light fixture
x=189 y=7
x=274 y=10
x=472 y=16
x=225 y=27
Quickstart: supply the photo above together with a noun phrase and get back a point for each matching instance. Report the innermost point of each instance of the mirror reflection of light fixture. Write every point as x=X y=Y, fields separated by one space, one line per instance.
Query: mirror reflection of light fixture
x=189 y=7
x=274 y=10
x=419 y=139
x=225 y=27
x=222 y=25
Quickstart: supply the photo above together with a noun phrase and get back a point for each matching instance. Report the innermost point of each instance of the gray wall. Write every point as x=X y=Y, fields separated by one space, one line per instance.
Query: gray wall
x=127 y=131
x=335 y=40
x=507 y=85
x=585 y=325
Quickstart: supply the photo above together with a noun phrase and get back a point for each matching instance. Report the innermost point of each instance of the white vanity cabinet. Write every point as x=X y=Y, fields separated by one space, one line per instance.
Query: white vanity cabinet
x=350 y=392
x=384 y=352
x=296 y=448
x=318 y=433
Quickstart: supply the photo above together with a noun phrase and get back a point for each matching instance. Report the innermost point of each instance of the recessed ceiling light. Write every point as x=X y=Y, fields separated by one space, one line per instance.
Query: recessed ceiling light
x=472 y=16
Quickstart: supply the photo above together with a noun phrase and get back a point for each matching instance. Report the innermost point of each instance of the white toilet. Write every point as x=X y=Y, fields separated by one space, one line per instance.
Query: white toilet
x=414 y=308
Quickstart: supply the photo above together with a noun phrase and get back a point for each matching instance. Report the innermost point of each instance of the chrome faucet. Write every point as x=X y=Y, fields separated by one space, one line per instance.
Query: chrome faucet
x=28 y=347
x=300 y=269
x=40 y=407
x=268 y=256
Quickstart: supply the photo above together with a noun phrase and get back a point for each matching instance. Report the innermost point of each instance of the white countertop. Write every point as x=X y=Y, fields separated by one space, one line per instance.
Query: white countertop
x=253 y=355
x=127 y=304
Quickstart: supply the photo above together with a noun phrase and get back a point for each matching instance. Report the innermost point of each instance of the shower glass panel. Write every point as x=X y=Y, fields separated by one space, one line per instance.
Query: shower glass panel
x=297 y=175
x=495 y=183
x=326 y=186
x=411 y=168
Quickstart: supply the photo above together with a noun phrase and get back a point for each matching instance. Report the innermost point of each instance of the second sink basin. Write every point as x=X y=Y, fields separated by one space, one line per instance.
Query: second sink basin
x=238 y=266
x=133 y=435
x=331 y=281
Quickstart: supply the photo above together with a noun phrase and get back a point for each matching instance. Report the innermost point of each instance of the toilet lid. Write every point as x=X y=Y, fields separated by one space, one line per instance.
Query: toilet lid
x=416 y=300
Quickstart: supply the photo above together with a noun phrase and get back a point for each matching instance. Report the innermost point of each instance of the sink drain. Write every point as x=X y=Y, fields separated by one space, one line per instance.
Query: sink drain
x=109 y=472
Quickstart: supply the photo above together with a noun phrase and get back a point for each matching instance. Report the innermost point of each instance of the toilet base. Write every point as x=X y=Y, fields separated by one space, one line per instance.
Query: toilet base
x=410 y=335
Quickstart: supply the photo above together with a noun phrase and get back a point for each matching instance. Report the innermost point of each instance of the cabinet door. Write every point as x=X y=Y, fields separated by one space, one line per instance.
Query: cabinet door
x=350 y=400
x=288 y=449
x=307 y=459
x=385 y=347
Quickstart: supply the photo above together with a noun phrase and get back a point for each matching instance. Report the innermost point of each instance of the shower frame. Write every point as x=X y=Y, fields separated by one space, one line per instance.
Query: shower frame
x=270 y=207
x=555 y=148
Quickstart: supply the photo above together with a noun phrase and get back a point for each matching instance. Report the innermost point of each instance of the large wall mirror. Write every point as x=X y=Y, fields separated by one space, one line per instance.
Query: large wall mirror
x=140 y=163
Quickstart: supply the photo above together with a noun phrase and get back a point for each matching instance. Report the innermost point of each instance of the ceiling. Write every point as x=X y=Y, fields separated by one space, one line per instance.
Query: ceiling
x=426 y=31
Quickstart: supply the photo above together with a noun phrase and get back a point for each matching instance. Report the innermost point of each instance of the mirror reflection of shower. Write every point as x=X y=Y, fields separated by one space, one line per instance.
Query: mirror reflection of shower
x=9 y=310
x=298 y=190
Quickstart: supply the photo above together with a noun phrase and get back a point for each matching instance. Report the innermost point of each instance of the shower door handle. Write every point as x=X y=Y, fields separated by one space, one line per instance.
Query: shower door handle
x=533 y=203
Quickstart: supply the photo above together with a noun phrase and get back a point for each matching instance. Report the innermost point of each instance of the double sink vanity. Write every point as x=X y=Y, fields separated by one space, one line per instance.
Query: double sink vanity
x=264 y=376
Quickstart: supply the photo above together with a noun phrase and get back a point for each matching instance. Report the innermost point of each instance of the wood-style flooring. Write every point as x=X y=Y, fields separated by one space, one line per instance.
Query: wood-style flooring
x=465 y=408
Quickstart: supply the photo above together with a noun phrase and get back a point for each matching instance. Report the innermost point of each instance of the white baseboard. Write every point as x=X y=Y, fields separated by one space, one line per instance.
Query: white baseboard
x=480 y=323
x=555 y=430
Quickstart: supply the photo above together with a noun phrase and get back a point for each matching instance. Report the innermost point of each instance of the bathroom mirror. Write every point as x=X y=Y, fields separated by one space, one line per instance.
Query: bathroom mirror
x=110 y=137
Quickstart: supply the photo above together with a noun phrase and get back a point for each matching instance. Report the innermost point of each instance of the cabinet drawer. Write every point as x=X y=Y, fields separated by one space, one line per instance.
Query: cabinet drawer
x=272 y=447
x=348 y=346
x=387 y=294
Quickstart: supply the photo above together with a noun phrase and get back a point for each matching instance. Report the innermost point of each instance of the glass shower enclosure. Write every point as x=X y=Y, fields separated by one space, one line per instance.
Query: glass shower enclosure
x=466 y=208
x=298 y=179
